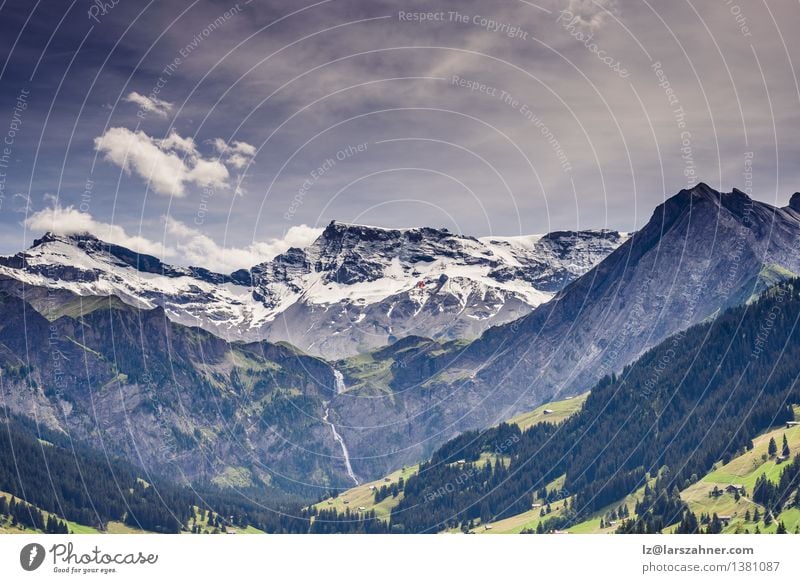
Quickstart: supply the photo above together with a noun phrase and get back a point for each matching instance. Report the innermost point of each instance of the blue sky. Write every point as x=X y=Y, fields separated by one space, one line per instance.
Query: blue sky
x=218 y=133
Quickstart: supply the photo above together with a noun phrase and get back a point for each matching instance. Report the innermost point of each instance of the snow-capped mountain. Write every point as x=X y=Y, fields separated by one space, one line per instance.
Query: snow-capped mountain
x=355 y=288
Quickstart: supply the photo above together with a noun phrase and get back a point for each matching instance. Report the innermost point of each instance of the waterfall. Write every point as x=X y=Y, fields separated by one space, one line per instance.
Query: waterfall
x=340 y=388
x=340 y=441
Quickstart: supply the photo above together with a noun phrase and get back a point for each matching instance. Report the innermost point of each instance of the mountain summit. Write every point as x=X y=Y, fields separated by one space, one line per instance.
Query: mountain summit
x=356 y=287
x=701 y=252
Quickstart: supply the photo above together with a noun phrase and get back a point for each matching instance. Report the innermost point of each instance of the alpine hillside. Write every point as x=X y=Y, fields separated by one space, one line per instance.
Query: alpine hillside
x=175 y=400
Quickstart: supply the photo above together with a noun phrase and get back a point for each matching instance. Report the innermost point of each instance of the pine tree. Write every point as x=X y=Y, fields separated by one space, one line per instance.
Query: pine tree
x=781 y=528
x=716 y=525
x=785 y=451
x=772 y=448
x=688 y=523
x=486 y=513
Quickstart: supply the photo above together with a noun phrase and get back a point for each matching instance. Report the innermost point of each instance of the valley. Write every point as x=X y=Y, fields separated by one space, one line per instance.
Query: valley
x=605 y=328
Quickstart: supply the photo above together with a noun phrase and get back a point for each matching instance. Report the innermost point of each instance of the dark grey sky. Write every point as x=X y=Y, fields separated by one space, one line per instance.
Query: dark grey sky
x=211 y=131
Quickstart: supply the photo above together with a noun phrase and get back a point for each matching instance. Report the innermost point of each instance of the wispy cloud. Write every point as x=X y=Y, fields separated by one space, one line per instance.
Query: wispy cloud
x=236 y=154
x=149 y=104
x=67 y=220
x=196 y=248
x=182 y=244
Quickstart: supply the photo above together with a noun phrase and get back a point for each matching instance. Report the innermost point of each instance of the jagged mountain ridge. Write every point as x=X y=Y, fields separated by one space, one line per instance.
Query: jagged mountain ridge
x=700 y=252
x=355 y=288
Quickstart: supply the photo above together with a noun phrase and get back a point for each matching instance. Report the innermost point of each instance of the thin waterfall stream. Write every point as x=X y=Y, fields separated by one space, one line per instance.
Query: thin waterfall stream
x=340 y=387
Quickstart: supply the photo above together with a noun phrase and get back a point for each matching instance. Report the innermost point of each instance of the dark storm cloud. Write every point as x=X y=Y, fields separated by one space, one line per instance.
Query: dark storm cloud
x=501 y=117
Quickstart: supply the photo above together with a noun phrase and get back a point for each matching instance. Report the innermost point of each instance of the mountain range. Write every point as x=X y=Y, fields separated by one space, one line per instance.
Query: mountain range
x=159 y=364
x=355 y=288
x=368 y=349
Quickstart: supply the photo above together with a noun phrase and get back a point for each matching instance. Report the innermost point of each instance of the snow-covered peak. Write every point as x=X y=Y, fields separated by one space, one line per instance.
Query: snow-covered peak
x=354 y=288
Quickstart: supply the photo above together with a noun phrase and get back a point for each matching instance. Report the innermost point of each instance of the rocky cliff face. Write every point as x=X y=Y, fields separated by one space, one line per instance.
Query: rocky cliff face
x=175 y=400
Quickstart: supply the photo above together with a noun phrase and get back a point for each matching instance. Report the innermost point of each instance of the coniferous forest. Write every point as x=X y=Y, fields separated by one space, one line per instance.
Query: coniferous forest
x=45 y=471
x=697 y=398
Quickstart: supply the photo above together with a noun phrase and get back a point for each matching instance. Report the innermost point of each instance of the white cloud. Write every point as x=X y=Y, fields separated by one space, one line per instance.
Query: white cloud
x=237 y=154
x=175 y=142
x=186 y=245
x=68 y=221
x=238 y=161
x=197 y=248
x=208 y=173
x=150 y=104
x=168 y=164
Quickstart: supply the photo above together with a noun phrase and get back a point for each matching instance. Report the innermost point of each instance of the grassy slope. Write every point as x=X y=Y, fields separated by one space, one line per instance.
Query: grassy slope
x=560 y=411
x=744 y=470
x=74 y=528
x=79 y=306
x=205 y=528
x=364 y=496
x=532 y=518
